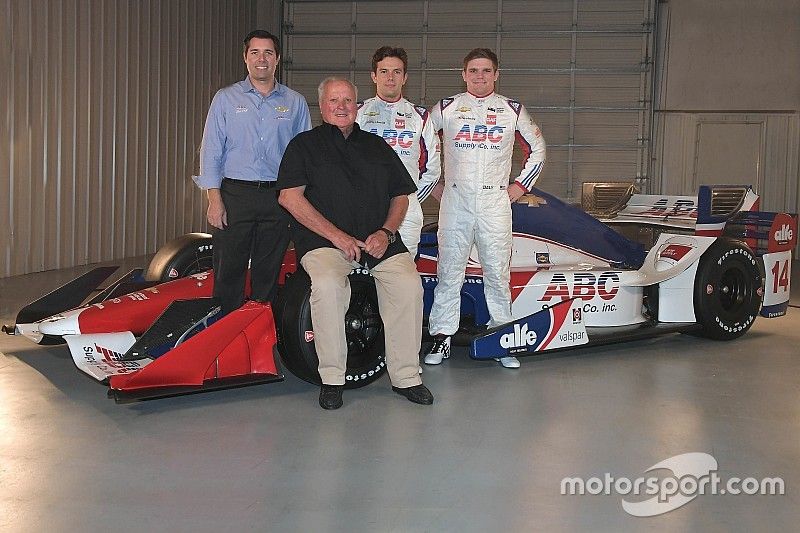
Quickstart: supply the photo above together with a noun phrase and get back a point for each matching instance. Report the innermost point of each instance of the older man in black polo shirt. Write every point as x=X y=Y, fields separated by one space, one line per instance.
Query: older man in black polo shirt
x=348 y=190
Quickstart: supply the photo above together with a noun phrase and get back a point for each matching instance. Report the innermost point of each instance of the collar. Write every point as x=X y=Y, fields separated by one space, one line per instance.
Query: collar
x=481 y=97
x=335 y=131
x=387 y=103
x=247 y=86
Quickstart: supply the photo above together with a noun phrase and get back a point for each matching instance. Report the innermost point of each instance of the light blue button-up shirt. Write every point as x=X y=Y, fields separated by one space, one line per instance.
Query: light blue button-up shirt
x=246 y=133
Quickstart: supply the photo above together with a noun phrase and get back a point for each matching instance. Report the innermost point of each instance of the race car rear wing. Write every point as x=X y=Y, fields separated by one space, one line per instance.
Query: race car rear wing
x=622 y=201
x=730 y=210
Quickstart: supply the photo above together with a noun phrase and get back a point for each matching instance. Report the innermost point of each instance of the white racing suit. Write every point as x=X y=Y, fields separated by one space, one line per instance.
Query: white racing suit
x=478 y=141
x=406 y=128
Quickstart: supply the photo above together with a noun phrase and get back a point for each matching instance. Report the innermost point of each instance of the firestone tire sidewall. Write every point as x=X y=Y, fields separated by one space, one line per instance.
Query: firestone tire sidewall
x=181 y=257
x=727 y=265
x=296 y=334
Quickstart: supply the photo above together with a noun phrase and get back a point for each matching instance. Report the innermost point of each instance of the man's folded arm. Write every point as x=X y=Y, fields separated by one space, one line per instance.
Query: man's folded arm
x=295 y=201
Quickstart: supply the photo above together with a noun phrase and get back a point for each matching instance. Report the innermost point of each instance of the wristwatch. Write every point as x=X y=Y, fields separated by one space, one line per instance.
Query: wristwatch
x=389 y=235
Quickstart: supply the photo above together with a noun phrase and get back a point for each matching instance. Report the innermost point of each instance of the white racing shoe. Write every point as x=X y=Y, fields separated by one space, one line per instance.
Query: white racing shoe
x=507 y=362
x=438 y=352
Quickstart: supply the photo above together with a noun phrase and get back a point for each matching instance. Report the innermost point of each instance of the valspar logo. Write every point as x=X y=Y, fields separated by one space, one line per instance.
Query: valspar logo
x=519 y=338
x=673 y=483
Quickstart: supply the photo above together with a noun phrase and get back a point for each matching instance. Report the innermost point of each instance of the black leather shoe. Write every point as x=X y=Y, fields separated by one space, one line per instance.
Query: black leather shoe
x=417 y=394
x=330 y=396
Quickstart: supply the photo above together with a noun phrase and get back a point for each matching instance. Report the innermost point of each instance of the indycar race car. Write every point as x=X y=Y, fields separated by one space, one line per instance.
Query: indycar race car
x=623 y=267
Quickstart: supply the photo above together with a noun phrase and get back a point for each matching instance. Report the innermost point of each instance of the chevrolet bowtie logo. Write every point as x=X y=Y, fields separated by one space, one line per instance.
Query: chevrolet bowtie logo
x=532 y=200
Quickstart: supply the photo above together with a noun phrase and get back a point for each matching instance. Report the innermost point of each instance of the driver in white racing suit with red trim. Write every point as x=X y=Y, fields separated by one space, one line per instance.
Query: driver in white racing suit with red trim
x=406 y=128
x=478 y=129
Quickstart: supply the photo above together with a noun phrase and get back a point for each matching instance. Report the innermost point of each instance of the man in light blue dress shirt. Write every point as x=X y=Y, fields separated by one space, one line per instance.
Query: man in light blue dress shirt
x=247 y=129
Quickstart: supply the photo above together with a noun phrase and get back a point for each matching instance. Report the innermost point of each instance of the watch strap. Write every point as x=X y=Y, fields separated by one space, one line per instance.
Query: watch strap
x=389 y=234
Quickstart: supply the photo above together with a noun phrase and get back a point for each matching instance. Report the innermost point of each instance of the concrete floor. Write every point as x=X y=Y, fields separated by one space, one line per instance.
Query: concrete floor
x=488 y=456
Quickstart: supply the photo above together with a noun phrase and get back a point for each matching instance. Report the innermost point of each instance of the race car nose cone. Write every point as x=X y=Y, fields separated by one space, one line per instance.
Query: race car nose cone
x=61 y=324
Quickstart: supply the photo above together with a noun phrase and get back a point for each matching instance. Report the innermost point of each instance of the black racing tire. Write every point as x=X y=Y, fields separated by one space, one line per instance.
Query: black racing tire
x=181 y=257
x=366 y=360
x=727 y=290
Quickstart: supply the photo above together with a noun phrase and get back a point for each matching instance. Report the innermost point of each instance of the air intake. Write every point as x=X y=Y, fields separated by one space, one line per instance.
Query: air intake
x=725 y=202
x=605 y=199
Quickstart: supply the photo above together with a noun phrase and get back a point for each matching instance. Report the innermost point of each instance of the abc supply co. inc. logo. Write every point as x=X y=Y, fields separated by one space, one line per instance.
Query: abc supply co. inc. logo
x=692 y=474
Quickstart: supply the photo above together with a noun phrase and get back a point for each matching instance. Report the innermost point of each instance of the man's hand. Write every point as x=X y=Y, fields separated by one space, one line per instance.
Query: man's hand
x=376 y=244
x=294 y=200
x=515 y=192
x=217 y=215
x=349 y=245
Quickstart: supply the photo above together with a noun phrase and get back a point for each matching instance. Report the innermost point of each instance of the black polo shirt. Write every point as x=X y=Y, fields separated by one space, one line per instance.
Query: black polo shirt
x=350 y=181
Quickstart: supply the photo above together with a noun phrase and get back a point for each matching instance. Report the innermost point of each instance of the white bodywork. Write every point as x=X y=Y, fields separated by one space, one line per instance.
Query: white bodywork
x=99 y=354
x=607 y=296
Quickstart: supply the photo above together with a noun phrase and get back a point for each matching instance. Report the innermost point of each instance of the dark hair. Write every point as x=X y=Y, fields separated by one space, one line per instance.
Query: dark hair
x=388 y=51
x=262 y=34
x=481 y=53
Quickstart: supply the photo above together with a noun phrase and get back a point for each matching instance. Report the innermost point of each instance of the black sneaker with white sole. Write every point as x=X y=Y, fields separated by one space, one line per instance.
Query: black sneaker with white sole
x=439 y=351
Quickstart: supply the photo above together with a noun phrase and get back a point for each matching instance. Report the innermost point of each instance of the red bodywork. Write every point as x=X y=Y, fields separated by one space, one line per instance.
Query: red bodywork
x=135 y=312
x=240 y=345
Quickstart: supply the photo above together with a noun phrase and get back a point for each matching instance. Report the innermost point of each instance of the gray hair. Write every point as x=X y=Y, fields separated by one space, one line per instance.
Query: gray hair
x=330 y=79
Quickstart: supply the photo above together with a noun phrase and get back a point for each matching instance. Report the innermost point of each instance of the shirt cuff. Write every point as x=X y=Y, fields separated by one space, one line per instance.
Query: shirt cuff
x=208 y=182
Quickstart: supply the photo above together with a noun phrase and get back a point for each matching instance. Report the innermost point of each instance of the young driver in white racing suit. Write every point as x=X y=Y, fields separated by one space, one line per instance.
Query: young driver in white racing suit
x=406 y=128
x=478 y=129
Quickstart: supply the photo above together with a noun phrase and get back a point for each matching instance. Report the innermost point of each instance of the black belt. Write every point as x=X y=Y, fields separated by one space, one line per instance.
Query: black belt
x=251 y=183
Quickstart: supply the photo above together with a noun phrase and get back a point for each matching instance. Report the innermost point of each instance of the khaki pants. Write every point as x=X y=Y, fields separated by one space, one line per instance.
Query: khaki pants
x=399 y=301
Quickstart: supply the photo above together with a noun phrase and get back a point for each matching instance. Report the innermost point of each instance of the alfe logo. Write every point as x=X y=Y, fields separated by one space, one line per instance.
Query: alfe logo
x=784 y=234
x=519 y=338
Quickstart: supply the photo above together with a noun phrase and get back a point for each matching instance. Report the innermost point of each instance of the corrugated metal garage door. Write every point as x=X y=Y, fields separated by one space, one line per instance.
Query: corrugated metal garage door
x=582 y=67
x=103 y=106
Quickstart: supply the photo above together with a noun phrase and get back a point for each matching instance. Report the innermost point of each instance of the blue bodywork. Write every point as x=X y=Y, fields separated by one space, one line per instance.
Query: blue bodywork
x=570 y=226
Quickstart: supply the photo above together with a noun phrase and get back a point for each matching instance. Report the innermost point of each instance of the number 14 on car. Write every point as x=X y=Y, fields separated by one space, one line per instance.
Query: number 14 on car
x=778 y=283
